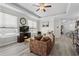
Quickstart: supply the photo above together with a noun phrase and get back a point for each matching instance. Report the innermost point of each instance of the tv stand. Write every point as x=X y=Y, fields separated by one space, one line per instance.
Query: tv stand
x=21 y=37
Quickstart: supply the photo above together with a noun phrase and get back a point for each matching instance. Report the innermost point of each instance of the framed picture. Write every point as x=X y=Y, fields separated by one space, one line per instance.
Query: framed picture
x=45 y=24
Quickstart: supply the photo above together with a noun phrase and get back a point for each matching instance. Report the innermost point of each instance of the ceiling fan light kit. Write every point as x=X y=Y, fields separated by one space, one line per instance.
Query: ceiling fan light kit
x=42 y=7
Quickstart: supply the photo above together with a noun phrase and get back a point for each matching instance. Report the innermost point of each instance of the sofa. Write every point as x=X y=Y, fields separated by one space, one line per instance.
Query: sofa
x=41 y=47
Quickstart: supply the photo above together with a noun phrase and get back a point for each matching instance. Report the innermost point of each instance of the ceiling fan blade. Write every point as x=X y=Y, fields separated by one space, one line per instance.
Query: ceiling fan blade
x=44 y=10
x=48 y=6
x=38 y=9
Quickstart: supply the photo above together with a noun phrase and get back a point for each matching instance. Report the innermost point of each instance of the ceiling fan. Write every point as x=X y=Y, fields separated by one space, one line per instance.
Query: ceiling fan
x=42 y=7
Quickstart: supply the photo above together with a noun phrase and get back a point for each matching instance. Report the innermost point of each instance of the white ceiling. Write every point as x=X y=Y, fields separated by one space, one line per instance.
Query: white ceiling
x=62 y=10
x=74 y=8
x=56 y=9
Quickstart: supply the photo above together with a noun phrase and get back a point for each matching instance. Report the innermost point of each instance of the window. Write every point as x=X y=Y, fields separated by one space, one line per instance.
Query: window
x=7 y=20
x=32 y=24
x=8 y=25
x=0 y=19
x=32 y=27
x=10 y=21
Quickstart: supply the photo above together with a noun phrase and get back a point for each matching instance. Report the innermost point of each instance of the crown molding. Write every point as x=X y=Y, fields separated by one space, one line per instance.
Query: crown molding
x=15 y=5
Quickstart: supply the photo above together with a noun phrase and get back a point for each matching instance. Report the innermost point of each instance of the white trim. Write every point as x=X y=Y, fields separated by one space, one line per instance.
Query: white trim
x=68 y=8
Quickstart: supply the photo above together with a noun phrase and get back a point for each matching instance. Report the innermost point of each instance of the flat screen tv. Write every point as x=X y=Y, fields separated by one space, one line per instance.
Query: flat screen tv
x=24 y=29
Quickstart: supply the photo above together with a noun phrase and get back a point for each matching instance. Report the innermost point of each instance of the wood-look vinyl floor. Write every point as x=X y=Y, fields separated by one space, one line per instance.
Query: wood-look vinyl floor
x=63 y=47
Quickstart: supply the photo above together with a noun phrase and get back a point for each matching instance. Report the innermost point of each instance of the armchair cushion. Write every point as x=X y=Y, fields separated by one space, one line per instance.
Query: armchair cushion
x=38 y=37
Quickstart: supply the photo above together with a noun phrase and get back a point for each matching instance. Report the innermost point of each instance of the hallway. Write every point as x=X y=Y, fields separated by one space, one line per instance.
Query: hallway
x=63 y=47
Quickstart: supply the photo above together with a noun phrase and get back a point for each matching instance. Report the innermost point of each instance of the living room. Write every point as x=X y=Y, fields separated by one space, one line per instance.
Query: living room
x=46 y=29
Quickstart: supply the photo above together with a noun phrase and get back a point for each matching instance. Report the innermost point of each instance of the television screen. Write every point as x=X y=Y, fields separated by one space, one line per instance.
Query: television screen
x=24 y=29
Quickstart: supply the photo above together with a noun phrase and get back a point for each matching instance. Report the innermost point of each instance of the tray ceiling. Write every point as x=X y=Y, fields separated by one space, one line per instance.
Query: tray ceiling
x=56 y=9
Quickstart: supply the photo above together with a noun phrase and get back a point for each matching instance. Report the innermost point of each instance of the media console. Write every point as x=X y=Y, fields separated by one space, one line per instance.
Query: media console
x=22 y=36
